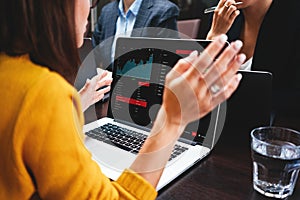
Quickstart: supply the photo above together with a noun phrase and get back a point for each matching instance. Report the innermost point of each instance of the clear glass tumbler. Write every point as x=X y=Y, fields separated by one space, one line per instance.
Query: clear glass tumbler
x=276 y=160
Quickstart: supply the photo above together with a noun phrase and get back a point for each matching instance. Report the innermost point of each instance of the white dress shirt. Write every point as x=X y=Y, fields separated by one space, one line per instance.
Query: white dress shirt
x=125 y=22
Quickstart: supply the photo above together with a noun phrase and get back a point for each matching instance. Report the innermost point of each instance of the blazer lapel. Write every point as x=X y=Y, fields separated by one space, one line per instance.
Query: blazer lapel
x=142 y=18
x=113 y=16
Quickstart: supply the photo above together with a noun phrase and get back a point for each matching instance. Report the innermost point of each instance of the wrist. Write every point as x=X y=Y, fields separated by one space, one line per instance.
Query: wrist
x=172 y=120
x=157 y=148
x=210 y=35
x=83 y=99
x=169 y=126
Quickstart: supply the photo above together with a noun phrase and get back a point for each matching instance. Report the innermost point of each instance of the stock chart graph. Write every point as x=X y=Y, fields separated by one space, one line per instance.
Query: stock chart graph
x=137 y=64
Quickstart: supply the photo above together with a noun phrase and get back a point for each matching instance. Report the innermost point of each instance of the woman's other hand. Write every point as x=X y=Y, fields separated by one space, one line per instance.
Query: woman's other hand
x=91 y=92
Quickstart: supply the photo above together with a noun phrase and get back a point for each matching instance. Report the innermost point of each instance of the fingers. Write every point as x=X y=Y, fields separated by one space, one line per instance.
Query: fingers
x=103 y=74
x=191 y=58
x=222 y=92
x=189 y=84
x=232 y=69
x=201 y=62
x=227 y=91
x=103 y=83
x=87 y=82
x=220 y=81
x=228 y=3
x=102 y=79
x=101 y=71
x=234 y=15
x=100 y=94
x=183 y=65
x=228 y=9
x=222 y=3
x=222 y=64
x=86 y=85
x=100 y=75
x=208 y=55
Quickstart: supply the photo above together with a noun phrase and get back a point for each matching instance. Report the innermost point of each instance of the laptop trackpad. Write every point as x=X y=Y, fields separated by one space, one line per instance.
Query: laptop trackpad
x=109 y=156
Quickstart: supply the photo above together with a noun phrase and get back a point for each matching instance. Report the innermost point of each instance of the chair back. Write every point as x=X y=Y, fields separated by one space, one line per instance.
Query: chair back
x=188 y=28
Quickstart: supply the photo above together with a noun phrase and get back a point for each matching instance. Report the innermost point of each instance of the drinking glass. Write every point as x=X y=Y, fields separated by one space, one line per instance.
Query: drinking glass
x=276 y=160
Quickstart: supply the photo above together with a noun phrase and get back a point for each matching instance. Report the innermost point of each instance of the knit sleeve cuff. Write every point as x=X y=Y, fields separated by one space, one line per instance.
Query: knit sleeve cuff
x=136 y=185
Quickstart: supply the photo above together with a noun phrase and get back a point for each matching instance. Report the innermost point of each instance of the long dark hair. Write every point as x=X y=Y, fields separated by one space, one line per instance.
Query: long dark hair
x=43 y=29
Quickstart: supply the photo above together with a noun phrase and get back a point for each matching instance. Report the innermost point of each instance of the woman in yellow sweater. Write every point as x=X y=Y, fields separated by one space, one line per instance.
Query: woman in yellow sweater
x=42 y=154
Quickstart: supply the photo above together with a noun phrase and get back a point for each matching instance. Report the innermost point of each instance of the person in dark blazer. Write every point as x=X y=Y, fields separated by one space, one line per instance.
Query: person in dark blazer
x=270 y=32
x=161 y=14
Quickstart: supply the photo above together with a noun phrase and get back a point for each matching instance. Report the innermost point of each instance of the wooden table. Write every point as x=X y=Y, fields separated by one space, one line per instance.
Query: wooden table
x=225 y=174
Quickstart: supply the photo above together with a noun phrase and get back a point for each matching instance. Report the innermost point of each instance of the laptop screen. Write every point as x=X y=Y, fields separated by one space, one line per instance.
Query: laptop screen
x=139 y=72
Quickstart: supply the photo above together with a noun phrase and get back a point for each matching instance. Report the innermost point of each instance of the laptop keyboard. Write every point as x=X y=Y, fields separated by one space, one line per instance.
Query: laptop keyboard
x=126 y=139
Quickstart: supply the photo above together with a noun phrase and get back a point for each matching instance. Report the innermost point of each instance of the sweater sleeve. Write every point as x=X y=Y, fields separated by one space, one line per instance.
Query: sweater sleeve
x=54 y=153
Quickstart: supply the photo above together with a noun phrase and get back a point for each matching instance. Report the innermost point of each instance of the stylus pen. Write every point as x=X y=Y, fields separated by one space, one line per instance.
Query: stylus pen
x=212 y=9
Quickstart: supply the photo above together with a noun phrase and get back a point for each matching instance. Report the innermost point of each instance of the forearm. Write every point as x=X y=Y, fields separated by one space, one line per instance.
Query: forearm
x=214 y=32
x=157 y=149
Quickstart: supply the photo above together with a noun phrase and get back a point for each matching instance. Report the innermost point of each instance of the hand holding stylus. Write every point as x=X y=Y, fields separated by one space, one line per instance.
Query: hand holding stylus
x=224 y=15
x=212 y=9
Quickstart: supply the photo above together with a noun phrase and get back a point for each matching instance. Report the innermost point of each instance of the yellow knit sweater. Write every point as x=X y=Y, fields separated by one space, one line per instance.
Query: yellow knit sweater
x=41 y=147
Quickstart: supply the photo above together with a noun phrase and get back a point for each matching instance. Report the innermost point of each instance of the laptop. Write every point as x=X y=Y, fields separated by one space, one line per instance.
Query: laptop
x=139 y=71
